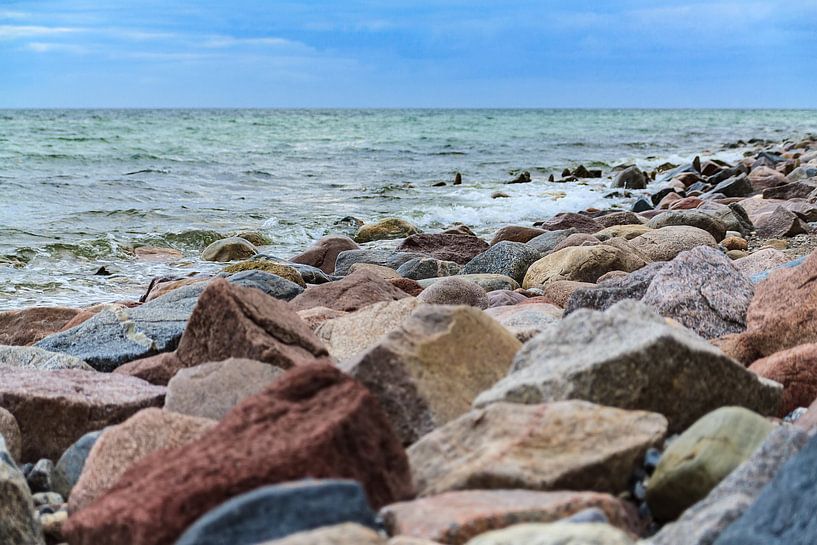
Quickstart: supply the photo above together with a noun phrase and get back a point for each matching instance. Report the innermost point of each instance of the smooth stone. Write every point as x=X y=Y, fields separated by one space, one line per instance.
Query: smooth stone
x=446 y=247
x=323 y=253
x=557 y=533
x=570 y=220
x=620 y=217
x=348 y=533
x=501 y=298
x=70 y=465
x=387 y=228
x=383 y=272
x=525 y=321
x=17 y=522
x=560 y=292
x=385 y=258
x=268 y=283
x=666 y=243
x=229 y=249
x=780 y=223
x=29 y=325
x=358 y=290
x=692 y=218
x=516 y=233
x=627 y=231
x=548 y=240
x=488 y=282
x=10 y=431
x=309 y=274
x=427 y=267
x=796 y=370
x=454 y=290
x=39 y=478
x=506 y=258
x=760 y=261
x=580 y=263
x=273 y=267
x=630 y=178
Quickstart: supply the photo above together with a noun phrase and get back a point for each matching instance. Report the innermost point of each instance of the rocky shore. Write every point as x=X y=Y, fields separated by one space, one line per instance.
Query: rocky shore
x=601 y=377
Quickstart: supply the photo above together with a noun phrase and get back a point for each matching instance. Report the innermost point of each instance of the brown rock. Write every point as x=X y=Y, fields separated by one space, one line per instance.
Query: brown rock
x=780 y=223
x=627 y=232
x=668 y=200
x=273 y=267
x=429 y=370
x=386 y=273
x=796 y=370
x=687 y=203
x=122 y=445
x=56 y=408
x=581 y=264
x=667 y=242
x=618 y=218
x=456 y=517
x=315 y=316
x=407 y=285
x=29 y=325
x=355 y=291
x=314 y=421
x=457 y=248
x=525 y=321
x=88 y=313
x=735 y=243
x=567 y=220
x=161 y=288
x=325 y=251
x=455 y=290
x=572 y=445
x=577 y=239
x=560 y=291
x=10 y=432
x=764 y=178
x=516 y=233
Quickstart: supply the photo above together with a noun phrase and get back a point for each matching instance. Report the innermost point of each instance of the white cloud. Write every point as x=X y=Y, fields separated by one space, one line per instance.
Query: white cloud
x=47 y=47
x=13 y=32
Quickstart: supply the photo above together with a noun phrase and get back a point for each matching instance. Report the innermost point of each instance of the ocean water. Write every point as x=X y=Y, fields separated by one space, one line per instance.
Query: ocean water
x=80 y=188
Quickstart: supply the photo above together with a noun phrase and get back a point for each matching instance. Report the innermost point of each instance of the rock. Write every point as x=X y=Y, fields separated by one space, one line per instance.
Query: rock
x=627 y=232
x=488 y=282
x=120 y=446
x=547 y=241
x=621 y=217
x=315 y=316
x=31 y=357
x=429 y=370
x=780 y=223
x=386 y=258
x=266 y=265
x=642 y=205
x=451 y=247
x=454 y=291
x=735 y=244
x=501 y=298
x=29 y=325
x=157 y=255
x=631 y=178
x=525 y=321
x=39 y=478
x=516 y=233
x=760 y=261
x=557 y=533
x=17 y=522
x=687 y=203
x=229 y=249
x=603 y=296
x=666 y=243
x=522 y=178
x=381 y=271
x=427 y=267
x=70 y=465
x=762 y=178
x=354 y=292
x=314 y=421
x=577 y=239
x=385 y=229
x=692 y=218
x=349 y=335
x=612 y=275
x=629 y=357
x=703 y=522
x=796 y=370
x=580 y=263
x=408 y=286
x=571 y=445
x=559 y=292
x=211 y=390
x=339 y=534
x=325 y=251
x=507 y=258
x=278 y=511
x=10 y=432
x=701 y=457
x=801 y=173
x=736 y=186
x=308 y=273
x=268 y=283
x=794 y=190
x=570 y=220
x=76 y=402
x=783 y=513
x=456 y=517
x=757 y=208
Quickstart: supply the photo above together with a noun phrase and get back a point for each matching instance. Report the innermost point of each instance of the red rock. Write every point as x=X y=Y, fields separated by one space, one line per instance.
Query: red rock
x=313 y=422
x=55 y=408
x=359 y=289
x=668 y=200
x=457 y=248
x=411 y=287
x=232 y=321
x=29 y=325
x=796 y=370
x=456 y=517
x=567 y=220
x=687 y=203
x=764 y=178
x=516 y=233
x=325 y=251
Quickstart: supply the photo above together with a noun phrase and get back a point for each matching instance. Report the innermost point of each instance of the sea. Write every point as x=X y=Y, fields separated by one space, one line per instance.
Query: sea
x=79 y=189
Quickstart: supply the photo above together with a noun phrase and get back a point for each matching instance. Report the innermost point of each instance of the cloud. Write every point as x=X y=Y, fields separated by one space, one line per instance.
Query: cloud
x=46 y=47
x=13 y=32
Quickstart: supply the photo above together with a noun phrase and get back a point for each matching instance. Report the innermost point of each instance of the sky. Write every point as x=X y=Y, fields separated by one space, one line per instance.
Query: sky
x=408 y=53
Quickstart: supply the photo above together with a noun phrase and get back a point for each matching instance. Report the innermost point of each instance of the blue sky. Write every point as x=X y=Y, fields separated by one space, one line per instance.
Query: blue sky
x=398 y=53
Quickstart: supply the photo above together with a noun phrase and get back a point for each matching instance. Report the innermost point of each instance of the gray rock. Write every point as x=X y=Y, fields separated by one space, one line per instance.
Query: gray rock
x=607 y=294
x=454 y=291
x=18 y=526
x=385 y=258
x=629 y=357
x=39 y=478
x=666 y=243
x=736 y=186
x=801 y=173
x=488 y=282
x=780 y=223
x=794 y=190
x=507 y=258
x=31 y=357
x=269 y=283
x=693 y=218
x=273 y=512
x=631 y=178
x=10 y=431
x=70 y=464
x=427 y=267
x=47 y=498
x=548 y=240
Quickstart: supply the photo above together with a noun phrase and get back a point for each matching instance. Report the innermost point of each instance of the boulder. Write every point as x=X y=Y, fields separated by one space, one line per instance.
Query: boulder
x=269 y=266
x=570 y=220
x=701 y=457
x=763 y=177
x=314 y=421
x=666 y=243
x=571 y=445
x=408 y=286
x=548 y=240
x=580 y=263
x=447 y=247
x=385 y=258
x=794 y=190
x=691 y=218
x=627 y=232
x=488 y=282
x=349 y=335
x=780 y=223
x=339 y=534
x=429 y=370
x=18 y=524
x=10 y=432
x=56 y=408
x=323 y=253
x=525 y=321
x=269 y=283
x=384 y=229
x=557 y=533
x=604 y=295
x=354 y=292
x=516 y=233
x=211 y=390
x=577 y=239
x=229 y=249
x=502 y=298
x=801 y=173
x=315 y=316
x=31 y=357
x=29 y=325
x=427 y=267
x=796 y=370
x=760 y=261
x=382 y=271
x=280 y=510
x=119 y=446
x=454 y=291
x=559 y=292
x=507 y=258
x=736 y=186
x=70 y=465
x=631 y=178
x=456 y=517
x=620 y=217
x=629 y=357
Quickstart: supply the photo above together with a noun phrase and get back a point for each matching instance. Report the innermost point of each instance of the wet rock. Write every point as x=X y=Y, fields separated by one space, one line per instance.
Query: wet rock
x=571 y=445
x=507 y=258
x=325 y=251
x=521 y=178
x=580 y=263
x=314 y=421
x=427 y=267
x=229 y=249
x=760 y=261
x=271 y=284
x=31 y=357
x=796 y=370
x=666 y=243
x=118 y=447
x=29 y=325
x=516 y=233
x=701 y=457
x=70 y=465
x=456 y=517
x=629 y=357
x=17 y=522
x=349 y=335
x=211 y=390
x=278 y=511
x=525 y=321
x=642 y=205
x=631 y=178
x=447 y=247
x=692 y=218
x=385 y=258
x=10 y=432
x=76 y=402
x=557 y=533
x=429 y=370
x=780 y=223
x=571 y=220
x=384 y=229
x=359 y=289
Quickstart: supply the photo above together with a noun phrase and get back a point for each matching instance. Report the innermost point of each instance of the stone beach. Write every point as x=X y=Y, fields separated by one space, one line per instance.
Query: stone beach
x=639 y=374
